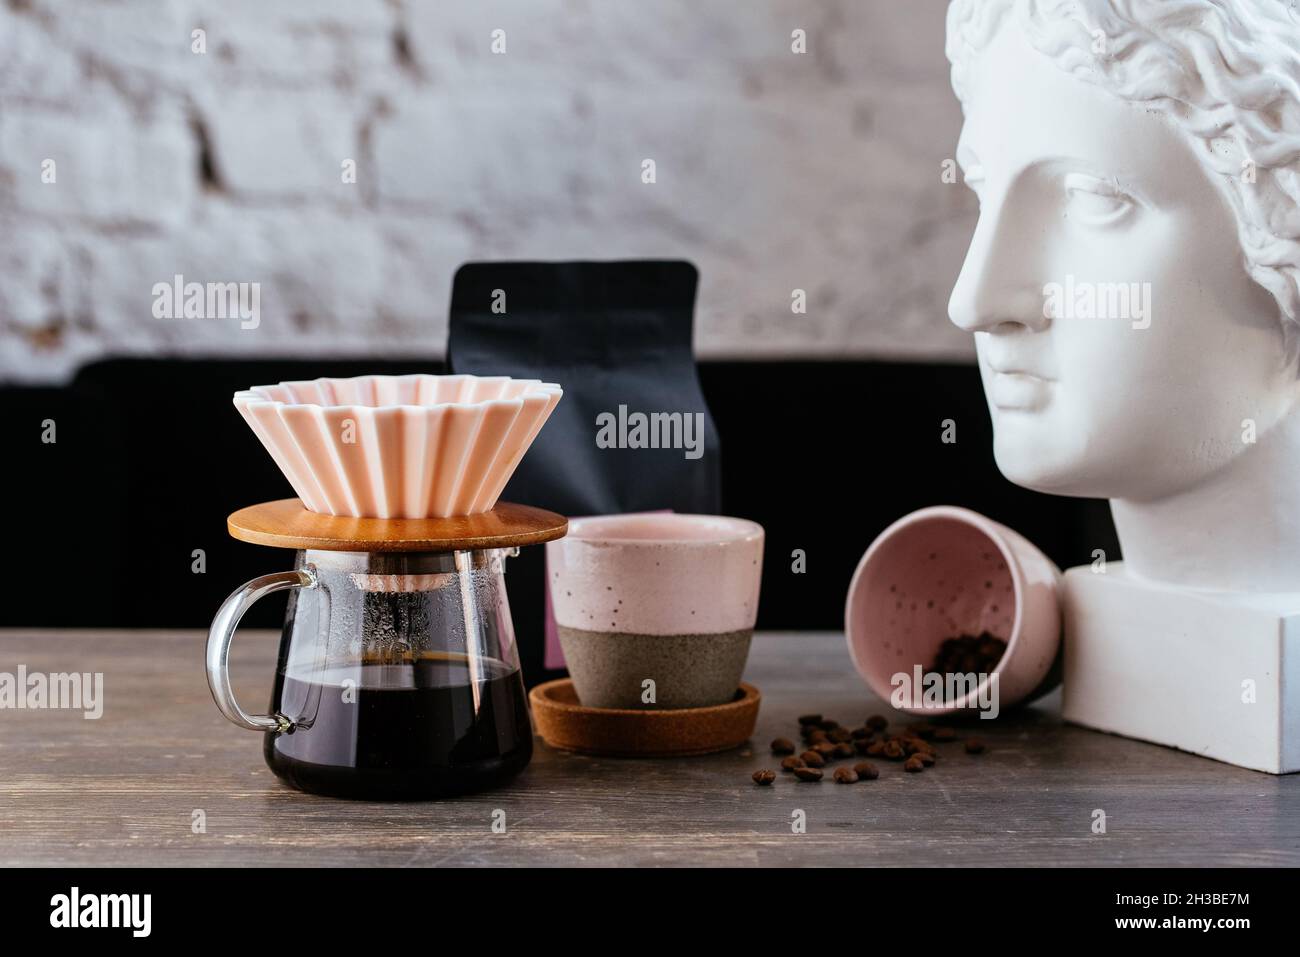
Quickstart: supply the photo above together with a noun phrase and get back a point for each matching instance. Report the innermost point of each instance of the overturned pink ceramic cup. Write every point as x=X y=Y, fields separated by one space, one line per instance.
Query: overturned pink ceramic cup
x=942 y=573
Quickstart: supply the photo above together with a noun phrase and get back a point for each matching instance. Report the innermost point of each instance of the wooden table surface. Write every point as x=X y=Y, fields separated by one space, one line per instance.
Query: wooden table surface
x=124 y=789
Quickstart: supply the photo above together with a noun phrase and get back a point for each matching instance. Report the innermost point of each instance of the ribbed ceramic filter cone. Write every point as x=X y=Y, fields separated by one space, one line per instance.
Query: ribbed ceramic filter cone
x=415 y=446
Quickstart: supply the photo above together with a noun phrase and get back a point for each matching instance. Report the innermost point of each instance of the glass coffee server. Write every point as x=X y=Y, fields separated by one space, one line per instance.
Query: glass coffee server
x=397 y=676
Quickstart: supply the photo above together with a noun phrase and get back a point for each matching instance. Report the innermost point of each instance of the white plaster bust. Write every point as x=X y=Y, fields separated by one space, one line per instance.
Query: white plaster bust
x=1148 y=147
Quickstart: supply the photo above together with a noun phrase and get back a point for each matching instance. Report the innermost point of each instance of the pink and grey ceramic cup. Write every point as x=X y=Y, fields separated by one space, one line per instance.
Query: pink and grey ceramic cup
x=943 y=572
x=656 y=610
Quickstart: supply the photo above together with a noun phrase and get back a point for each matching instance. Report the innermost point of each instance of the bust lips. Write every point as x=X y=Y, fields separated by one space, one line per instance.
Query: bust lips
x=1011 y=368
x=1017 y=391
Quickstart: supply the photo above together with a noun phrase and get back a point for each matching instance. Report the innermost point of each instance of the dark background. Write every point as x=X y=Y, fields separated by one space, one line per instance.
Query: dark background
x=151 y=456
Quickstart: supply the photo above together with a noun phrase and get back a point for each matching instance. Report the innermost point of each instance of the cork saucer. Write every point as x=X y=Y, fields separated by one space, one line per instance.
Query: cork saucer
x=626 y=733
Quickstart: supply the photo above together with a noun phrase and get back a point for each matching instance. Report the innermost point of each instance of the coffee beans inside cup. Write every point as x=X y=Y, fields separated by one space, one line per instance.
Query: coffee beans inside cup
x=969 y=654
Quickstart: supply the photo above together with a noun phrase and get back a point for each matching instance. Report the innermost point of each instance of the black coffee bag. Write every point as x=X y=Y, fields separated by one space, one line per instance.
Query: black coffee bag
x=632 y=433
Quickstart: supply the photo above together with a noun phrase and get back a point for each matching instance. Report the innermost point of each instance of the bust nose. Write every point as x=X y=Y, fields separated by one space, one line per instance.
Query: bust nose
x=1000 y=283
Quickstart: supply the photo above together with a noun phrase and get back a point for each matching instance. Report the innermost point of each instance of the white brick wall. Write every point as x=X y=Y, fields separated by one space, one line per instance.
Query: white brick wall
x=775 y=170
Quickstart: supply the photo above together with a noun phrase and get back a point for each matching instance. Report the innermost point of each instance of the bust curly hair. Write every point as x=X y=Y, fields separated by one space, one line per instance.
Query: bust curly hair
x=1227 y=72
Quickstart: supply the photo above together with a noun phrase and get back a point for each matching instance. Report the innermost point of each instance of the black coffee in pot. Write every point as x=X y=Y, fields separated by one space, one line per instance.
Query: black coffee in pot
x=404 y=727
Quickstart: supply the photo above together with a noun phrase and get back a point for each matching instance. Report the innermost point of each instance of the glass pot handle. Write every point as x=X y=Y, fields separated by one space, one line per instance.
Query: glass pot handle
x=223 y=631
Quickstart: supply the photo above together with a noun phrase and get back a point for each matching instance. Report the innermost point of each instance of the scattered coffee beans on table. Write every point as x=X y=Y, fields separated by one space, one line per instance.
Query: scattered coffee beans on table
x=912 y=745
x=812 y=759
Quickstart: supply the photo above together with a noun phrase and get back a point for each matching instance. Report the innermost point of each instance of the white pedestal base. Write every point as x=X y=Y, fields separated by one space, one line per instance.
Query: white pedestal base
x=1173 y=666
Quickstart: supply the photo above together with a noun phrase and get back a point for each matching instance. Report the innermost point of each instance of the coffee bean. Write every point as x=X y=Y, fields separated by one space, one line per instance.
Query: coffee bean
x=863 y=745
x=913 y=764
x=817 y=737
x=824 y=748
x=893 y=751
x=840 y=735
x=926 y=758
x=945 y=734
x=808 y=774
x=875 y=749
x=812 y=759
x=842 y=750
x=845 y=775
x=828 y=724
x=966 y=654
x=783 y=746
x=922 y=731
x=862 y=732
x=974 y=746
x=877 y=722
x=810 y=719
x=764 y=777
x=866 y=771
x=790 y=763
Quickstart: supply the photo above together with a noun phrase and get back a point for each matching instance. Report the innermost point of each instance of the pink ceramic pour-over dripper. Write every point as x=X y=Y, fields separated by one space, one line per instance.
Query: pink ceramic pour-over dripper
x=411 y=446
x=942 y=572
